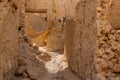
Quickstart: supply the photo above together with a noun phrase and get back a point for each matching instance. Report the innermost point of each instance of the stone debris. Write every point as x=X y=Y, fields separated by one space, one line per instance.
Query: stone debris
x=107 y=57
x=57 y=61
x=33 y=73
x=35 y=40
x=108 y=54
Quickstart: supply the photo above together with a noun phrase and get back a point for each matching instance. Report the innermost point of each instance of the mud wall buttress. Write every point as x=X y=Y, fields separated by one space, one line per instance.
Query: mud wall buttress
x=9 y=21
x=81 y=39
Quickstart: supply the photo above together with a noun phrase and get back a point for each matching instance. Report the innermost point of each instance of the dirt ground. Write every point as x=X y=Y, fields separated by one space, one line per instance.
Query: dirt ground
x=31 y=66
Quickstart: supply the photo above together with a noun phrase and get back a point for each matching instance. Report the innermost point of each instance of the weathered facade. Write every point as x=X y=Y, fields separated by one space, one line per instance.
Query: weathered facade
x=107 y=56
x=9 y=22
x=94 y=48
x=81 y=39
x=87 y=31
x=114 y=13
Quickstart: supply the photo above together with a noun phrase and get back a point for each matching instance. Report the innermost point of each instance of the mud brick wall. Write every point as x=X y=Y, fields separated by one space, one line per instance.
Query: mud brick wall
x=9 y=22
x=81 y=39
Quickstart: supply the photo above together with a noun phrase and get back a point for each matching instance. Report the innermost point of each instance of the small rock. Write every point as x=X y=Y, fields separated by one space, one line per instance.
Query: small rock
x=101 y=76
x=117 y=68
x=21 y=70
x=25 y=75
x=118 y=32
x=106 y=29
x=115 y=78
x=21 y=62
x=113 y=31
x=33 y=73
x=26 y=79
x=44 y=56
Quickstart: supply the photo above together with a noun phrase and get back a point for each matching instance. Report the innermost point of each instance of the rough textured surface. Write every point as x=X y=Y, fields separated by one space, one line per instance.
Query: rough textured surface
x=52 y=35
x=34 y=65
x=107 y=57
x=114 y=14
x=9 y=20
x=93 y=52
x=44 y=4
x=81 y=39
x=107 y=61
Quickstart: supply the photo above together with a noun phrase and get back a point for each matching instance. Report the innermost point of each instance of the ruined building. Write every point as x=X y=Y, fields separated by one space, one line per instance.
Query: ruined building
x=59 y=40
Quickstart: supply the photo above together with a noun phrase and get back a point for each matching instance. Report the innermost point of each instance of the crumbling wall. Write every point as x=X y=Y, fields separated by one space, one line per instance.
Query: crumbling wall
x=107 y=61
x=81 y=39
x=9 y=21
x=113 y=16
x=52 y=37
x=60 y=12
x=106 y=36
x=43 y=4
